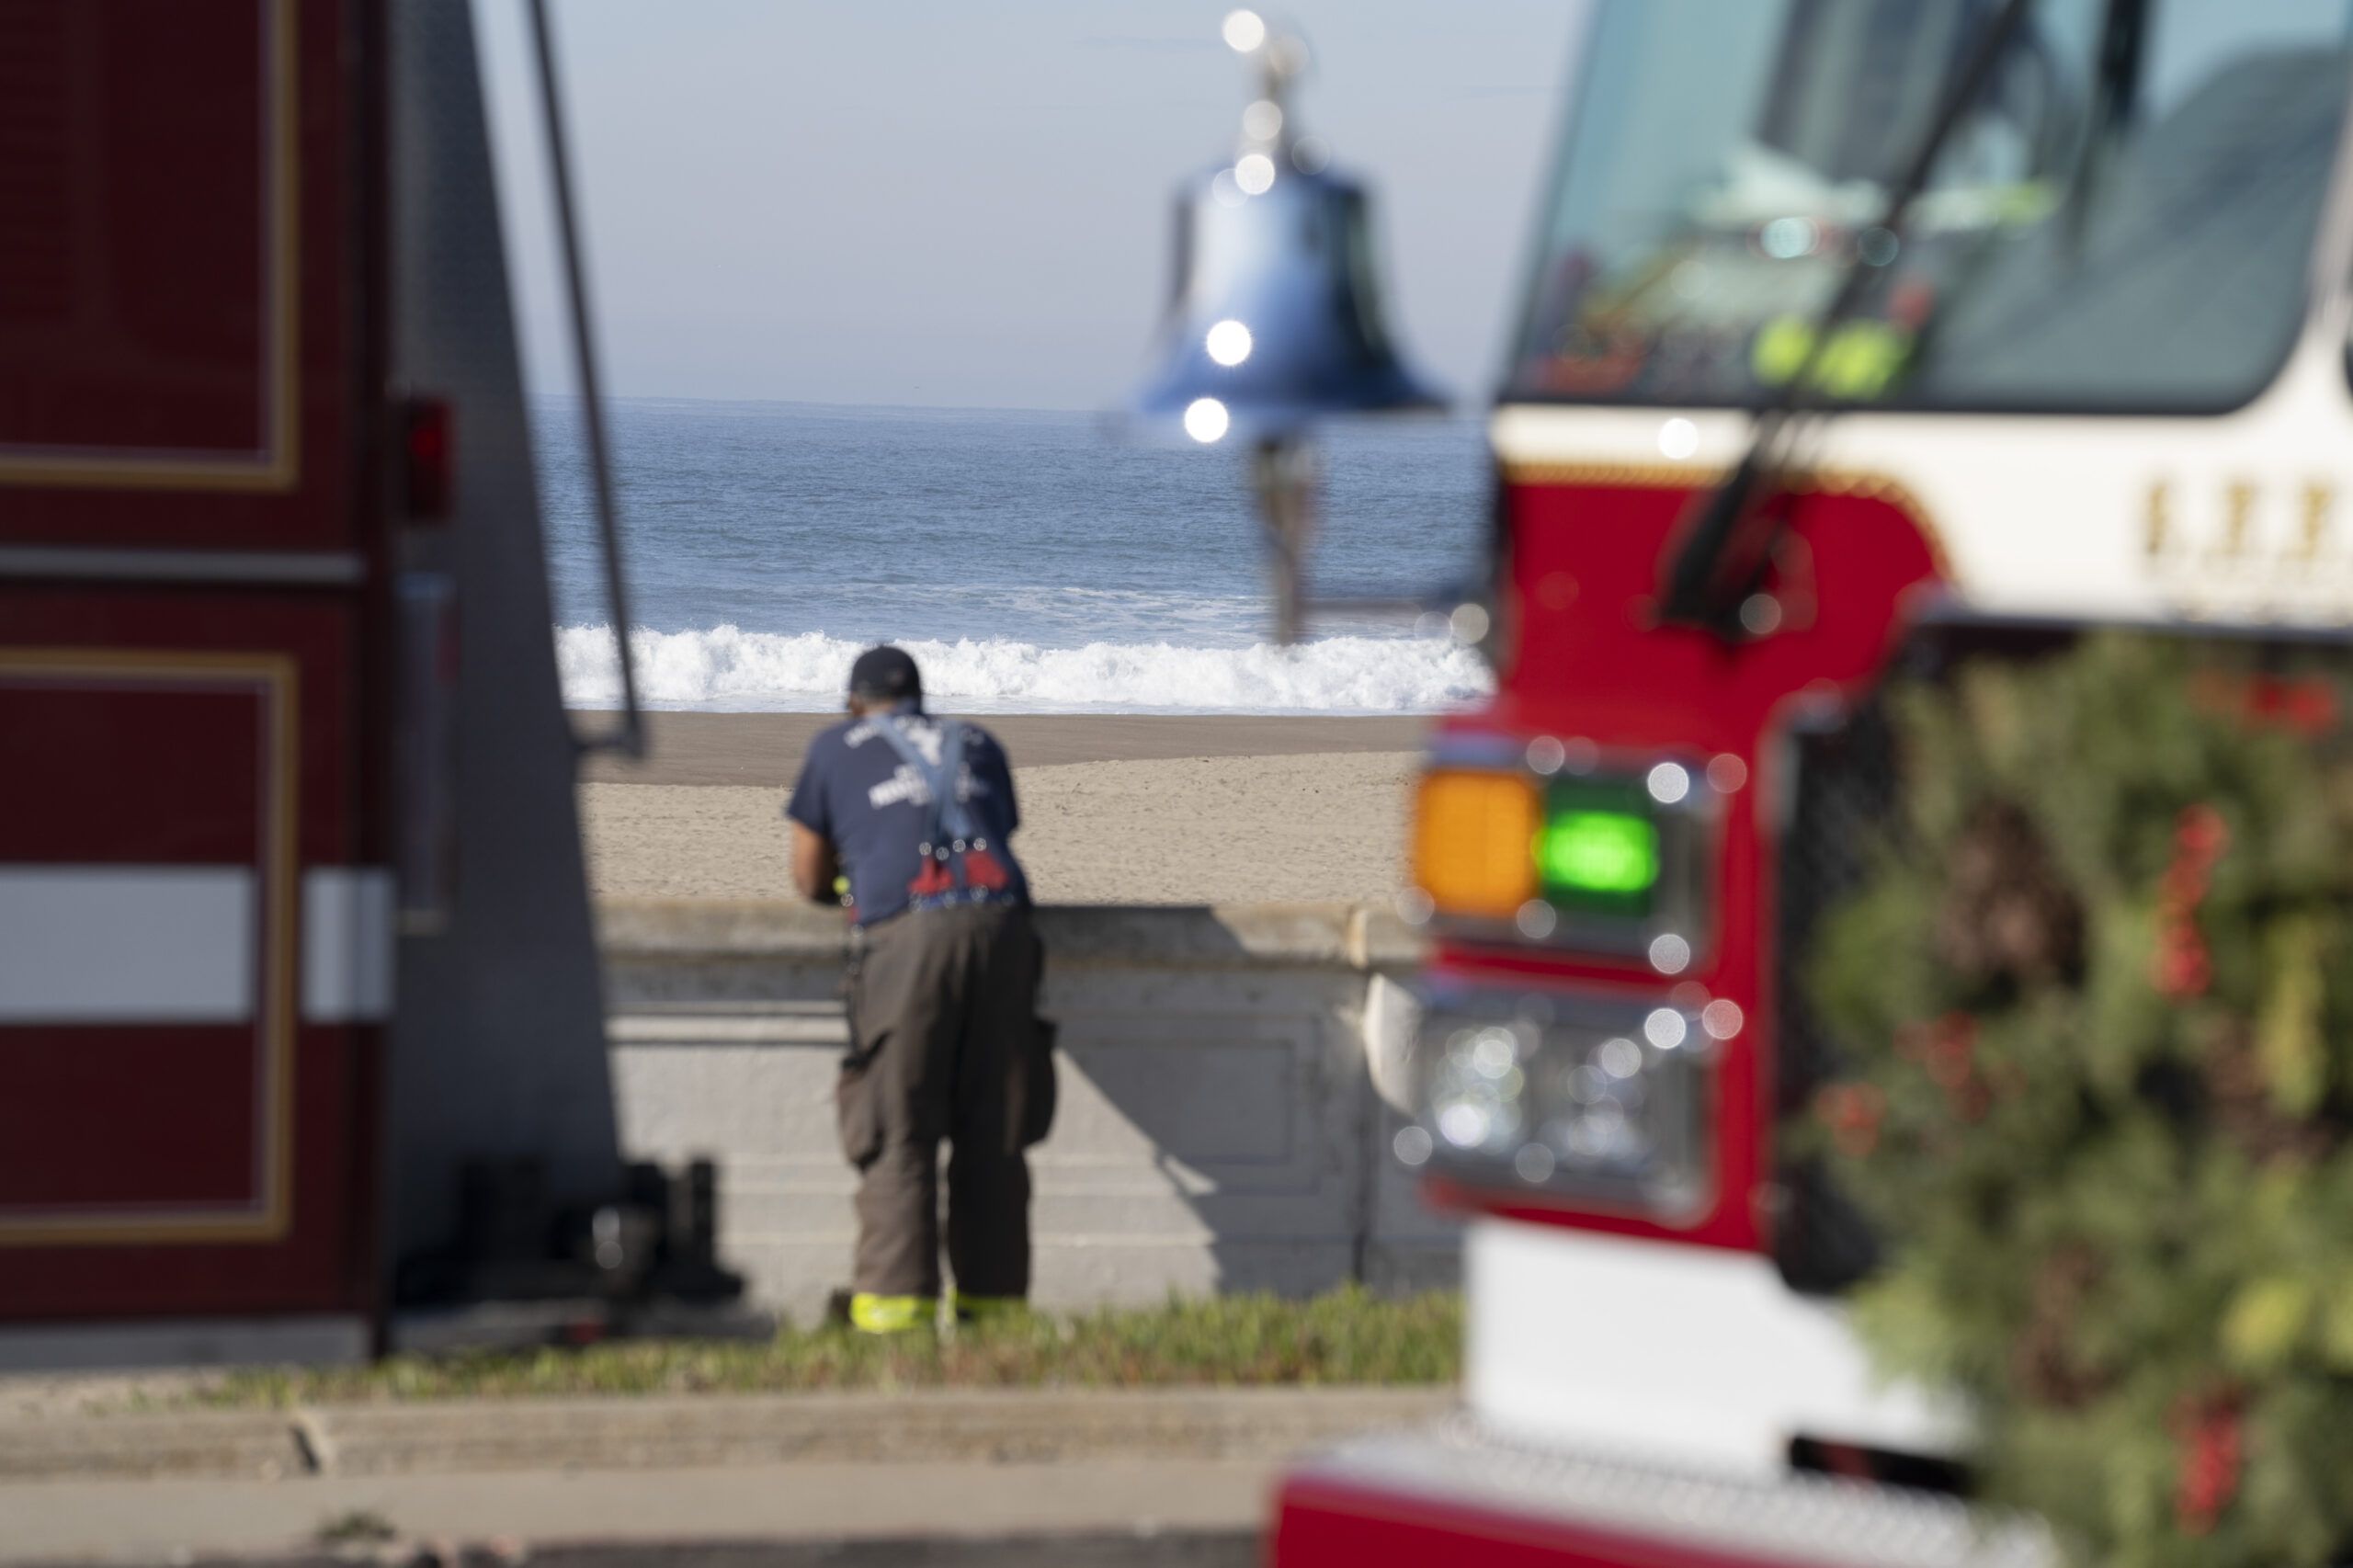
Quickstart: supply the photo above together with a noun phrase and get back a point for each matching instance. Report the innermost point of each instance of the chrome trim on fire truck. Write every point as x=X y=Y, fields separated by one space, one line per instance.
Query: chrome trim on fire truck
x=302 y=568
x=1462 y=1464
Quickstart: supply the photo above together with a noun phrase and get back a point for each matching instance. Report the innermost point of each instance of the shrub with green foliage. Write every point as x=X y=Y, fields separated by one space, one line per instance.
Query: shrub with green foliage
x=2097 y=994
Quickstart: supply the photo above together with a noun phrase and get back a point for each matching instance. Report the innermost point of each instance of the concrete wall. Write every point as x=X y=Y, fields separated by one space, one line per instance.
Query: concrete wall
x=1218 y=1126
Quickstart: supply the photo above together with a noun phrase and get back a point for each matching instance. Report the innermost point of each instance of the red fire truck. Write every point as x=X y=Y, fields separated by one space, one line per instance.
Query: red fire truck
x=290 y=884
x=1854 y=327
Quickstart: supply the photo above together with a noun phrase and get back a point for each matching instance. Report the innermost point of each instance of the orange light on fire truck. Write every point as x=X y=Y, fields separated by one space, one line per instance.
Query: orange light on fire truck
x=1473 y=834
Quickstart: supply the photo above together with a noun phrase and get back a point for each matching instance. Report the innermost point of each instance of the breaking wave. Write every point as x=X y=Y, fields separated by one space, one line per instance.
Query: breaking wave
x=726 y=668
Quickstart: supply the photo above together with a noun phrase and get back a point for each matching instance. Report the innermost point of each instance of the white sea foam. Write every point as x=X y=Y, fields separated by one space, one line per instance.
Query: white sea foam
x=725 y=668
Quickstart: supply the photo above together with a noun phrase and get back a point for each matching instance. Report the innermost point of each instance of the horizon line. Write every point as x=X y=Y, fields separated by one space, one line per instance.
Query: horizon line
x=573 y=394
x=1098 y=412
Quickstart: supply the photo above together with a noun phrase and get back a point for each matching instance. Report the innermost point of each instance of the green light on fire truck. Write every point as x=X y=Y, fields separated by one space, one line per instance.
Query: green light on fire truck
x=1613 y=854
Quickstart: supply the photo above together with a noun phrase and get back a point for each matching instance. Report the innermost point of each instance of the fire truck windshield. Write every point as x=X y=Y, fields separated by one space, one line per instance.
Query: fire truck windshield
x=2121 y=220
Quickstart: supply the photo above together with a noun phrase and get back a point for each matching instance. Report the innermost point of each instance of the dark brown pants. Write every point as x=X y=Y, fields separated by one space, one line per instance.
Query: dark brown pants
x=943 y=1008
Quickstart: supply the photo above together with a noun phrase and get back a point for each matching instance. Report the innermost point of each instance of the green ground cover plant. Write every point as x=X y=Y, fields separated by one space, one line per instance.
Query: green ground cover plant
x=1350 y=1336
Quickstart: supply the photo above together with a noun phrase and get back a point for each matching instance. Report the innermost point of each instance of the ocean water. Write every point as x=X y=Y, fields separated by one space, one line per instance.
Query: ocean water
x=1029 y=560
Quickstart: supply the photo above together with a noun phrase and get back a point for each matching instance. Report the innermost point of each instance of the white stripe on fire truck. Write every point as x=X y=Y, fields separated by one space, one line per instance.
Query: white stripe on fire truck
x=128 y=944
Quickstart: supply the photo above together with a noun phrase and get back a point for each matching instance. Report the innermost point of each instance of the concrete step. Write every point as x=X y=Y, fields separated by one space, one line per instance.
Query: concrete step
x=469 y=1436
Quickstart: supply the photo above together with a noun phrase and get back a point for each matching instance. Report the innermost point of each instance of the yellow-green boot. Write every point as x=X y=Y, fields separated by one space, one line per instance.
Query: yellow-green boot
x=988 y=1309
x=869 y=1313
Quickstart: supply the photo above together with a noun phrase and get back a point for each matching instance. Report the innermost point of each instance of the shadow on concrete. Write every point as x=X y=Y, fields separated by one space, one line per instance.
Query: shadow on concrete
x=1222 y=1051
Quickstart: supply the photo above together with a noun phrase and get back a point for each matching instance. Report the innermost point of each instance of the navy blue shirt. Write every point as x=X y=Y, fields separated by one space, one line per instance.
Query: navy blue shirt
x=855 y=790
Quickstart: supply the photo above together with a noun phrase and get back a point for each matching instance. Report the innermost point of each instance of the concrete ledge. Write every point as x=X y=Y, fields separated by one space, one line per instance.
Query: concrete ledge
x=1378 y=939
x=693 y=926
x=739 y=1022
x=1291 y=936
x=459 y=1437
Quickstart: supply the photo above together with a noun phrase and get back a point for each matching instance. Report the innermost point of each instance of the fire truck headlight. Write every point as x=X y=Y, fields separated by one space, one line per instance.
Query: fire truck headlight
x=1475 y=1100
x=1567 y=1100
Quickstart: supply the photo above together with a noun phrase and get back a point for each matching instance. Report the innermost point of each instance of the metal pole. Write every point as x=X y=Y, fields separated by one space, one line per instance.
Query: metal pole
x=630 y=736
x=1282 y=475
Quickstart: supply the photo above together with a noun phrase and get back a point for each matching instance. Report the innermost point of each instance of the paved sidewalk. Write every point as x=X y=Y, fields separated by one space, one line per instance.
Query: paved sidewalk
x=512 y=1513
x=1160 y=1476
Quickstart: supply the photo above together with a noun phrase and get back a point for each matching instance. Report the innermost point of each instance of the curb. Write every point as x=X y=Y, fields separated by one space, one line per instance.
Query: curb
x=1329 y=935
x=994 y=1426
x=1078 y=1549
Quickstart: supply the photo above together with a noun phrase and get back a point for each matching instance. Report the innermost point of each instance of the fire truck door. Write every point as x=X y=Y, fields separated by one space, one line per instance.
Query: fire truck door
x=194 y=947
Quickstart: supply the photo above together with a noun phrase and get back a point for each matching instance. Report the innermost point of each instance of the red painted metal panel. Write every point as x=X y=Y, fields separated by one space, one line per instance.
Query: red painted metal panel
x=128 y=768
x=1591 y=661
x=1323 y=1524
x=139 y=142
x=169 y=1170
x=148 y=757
x=108 y=1117
x=319 y=632
x=321 y=1265
x=179 y=281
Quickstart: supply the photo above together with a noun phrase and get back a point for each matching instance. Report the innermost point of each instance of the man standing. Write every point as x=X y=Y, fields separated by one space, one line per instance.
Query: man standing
x=945 y=1042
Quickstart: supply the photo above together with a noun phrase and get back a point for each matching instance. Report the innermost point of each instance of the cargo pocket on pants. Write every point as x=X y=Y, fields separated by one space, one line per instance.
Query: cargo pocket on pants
x=857 y=1116
x=1039 y=1089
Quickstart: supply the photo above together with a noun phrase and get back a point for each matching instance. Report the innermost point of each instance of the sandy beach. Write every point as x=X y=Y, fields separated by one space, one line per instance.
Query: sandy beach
x=1115 y=809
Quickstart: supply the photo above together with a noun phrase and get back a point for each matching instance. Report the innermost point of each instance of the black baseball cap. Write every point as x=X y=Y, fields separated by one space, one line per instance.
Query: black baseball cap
x=885 y=674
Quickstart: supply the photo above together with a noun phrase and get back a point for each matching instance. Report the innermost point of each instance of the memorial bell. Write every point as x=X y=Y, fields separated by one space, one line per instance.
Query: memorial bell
x=1275 y=317
x=1276 y=313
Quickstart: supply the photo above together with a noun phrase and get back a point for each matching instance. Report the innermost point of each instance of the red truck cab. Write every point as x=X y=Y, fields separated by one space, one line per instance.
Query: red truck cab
x=2095 y=374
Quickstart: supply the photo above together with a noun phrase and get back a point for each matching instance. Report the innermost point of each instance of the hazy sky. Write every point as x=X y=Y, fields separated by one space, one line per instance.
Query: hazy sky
x=919 y=202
